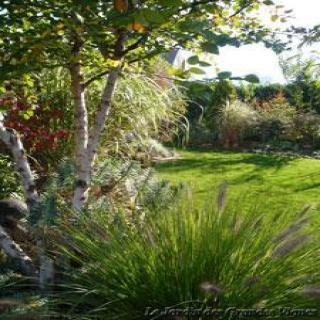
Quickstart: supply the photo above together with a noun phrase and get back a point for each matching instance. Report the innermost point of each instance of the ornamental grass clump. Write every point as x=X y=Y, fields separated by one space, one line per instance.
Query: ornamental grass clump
x=219 y=255
x=237 y=120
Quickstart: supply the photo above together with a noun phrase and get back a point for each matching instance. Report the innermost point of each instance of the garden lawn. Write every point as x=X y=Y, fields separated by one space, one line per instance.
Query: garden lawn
x=281 y=182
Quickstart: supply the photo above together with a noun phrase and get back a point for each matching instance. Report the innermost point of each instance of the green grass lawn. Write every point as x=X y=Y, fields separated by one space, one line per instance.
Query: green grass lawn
x=281 y=182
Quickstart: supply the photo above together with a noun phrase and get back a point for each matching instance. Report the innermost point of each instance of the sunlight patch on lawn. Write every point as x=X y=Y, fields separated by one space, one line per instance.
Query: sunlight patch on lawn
x=285 y=182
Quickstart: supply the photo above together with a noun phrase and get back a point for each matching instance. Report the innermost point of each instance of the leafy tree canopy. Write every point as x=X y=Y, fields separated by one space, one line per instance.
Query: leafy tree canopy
x=38 y=34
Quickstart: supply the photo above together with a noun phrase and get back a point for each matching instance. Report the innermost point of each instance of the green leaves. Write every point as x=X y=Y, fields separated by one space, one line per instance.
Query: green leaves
x=150 y=16
x=192 y=26
x=268 y=2
x=210 y=47
x=155 y=17
x=200 y=25
x=26 y=114
x=213 y=41
x=224 y=75
x=195 y=70
x=252 y=78
x=171 y=3
x=204 y=64
x=193 y=60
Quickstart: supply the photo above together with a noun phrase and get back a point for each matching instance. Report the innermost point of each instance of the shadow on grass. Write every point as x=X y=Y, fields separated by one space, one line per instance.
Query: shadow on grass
x=223 y=160
x=241 y=168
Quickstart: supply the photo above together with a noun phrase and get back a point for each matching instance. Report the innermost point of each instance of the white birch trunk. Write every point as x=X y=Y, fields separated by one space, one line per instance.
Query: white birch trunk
x=86 y=148
x=14 y=251
x=81 y=138
x=96 y=131
x=12 y=140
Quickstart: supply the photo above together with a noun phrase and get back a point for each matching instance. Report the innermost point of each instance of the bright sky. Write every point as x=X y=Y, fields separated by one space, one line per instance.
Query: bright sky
x=262 y=61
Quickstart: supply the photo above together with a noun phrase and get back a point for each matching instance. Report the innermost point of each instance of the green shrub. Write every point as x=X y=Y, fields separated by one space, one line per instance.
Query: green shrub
x=130 y=187
x=201 y=135
x=9 y=182
x=306 y=129
x=205 y=104
x=213 y=256
x=236 y=121
x=281 y=122
x=275 y=118
x=246 y=92
x=43 y=116
x=268 y=92
x=141 y=107
x=207 y=101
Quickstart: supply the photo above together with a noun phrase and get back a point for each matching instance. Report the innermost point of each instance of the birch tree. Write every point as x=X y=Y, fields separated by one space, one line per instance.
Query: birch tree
x=93 y=39
x=97 y=39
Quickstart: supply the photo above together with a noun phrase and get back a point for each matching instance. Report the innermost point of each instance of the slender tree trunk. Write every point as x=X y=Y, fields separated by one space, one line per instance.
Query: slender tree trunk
x=86 y=148
x=102 y=114
x=107 y=95
x=14 y=251
x=81 y=133
x=12 y=140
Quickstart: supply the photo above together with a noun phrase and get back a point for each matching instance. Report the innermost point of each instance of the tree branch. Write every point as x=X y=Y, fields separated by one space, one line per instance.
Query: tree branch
x=94 y=78
x=122 y=52
x=147 y=56
x=135 y=45
x=119 y=45
x=247 y=5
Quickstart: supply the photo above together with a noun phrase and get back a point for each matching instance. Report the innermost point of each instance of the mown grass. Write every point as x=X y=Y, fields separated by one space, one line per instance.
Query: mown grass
x=286 y=183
